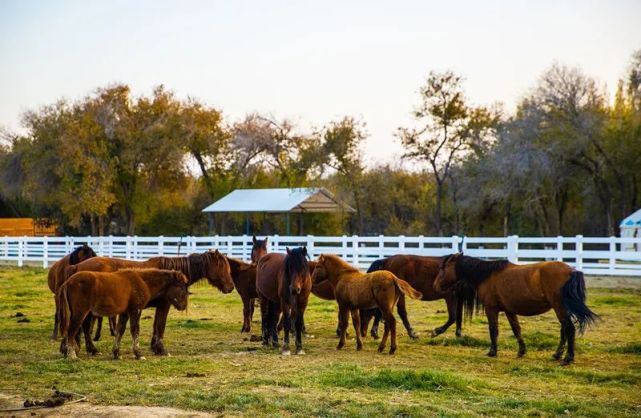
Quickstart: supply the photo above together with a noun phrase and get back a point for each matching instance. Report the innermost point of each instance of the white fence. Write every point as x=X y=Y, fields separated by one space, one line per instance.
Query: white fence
x=596 y=256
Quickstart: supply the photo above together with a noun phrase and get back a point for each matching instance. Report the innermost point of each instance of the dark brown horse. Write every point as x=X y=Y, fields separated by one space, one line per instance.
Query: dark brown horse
x=355 y=291
x=125 y=293
x=420 y=272
x=210 y=265
x=244 y=276
x=57 y=276
x=259 y=248
x=283 y=284
x=530 y=289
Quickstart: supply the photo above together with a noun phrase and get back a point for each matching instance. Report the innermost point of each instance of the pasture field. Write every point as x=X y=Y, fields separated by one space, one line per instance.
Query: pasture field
x=216 y=369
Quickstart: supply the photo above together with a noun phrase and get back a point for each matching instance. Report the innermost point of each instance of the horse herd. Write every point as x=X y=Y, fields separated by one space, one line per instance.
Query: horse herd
x=88 y=287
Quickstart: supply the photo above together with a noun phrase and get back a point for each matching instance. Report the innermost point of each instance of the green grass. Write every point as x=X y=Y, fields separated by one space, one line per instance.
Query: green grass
x=215 y=368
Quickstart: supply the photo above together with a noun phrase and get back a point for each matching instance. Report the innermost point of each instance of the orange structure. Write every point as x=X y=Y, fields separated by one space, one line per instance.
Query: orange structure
x=18 y=227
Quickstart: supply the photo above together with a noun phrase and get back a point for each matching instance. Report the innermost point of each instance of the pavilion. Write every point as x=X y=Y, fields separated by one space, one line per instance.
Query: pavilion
x=288 y=201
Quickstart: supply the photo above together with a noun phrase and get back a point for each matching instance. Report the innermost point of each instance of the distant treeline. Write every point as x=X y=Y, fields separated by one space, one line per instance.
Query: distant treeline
x=568 y=161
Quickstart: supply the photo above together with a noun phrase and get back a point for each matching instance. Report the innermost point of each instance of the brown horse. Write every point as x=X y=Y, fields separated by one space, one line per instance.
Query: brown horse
x=355 y=290
x=210 y=265
x=530 y=289
x=125 y=293
x=259 y=248
x=283 y=283
x=244 y=276
x=420 y=272
x=57 y=276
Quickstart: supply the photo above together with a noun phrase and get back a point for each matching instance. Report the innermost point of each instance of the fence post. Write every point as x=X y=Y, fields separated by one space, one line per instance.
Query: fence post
x=401 y=243
x=161 y=245
x=381 y=246
x=244 y=247
x=579 y=252
x=613 y=249
x=111 y=246
x=513 y=248
x=421 y=249
x=45 y=252
x=274 y=243
x=455 y=243
x=344 y=245
x=20 y=251
x=355 y=250
x=310 y=246
x=127 y=246
x=559 y=248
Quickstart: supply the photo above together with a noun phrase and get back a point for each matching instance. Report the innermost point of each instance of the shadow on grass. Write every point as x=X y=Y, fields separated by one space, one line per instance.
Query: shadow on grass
x=464 y=341
x=629 y=348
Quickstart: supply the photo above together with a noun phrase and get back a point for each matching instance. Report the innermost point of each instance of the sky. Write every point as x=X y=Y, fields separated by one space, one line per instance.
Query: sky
x=309 y=62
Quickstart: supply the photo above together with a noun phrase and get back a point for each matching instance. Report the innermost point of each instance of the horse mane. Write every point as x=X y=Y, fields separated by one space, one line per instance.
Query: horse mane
x=74 y=257
x=342 y=263
x=194 y=266
x=295 y=264
x=471 y=272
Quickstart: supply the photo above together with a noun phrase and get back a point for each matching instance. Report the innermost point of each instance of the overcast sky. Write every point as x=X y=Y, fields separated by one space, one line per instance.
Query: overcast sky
x=307 y=61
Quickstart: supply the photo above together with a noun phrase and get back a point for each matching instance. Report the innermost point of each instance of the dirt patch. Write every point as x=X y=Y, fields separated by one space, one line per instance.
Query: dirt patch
x=85 y=409
x=613 y=282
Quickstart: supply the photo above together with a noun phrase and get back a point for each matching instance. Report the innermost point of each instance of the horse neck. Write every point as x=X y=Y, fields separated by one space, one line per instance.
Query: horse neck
x=155 y=282
x=339 y=269
x=181 y=264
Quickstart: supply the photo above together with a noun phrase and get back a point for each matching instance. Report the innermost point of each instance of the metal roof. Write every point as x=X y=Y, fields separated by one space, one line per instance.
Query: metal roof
x=298 y=200
x=632 y=221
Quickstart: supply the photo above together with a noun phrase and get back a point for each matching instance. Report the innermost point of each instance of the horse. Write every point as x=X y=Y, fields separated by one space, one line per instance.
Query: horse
x=259 y=248
x=283 y=283
x=530 y=289
x=125 y=292
x=420 y=272
x=244 y=277
x=355 y=290
x=210 y=265
x=56 y=278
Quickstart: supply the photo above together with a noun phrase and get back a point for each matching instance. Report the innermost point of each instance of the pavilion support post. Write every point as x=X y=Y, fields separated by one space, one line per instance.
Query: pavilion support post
x=211 y=222
x=288 y=224
x=247 y=224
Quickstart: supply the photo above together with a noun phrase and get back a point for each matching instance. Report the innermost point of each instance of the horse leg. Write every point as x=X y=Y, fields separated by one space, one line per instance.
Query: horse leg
x=112 y=326
x=402 y=312
x=98 y=329
x=134 y=328
x=459 y=316
x=69 y=347
x=56 y=324
x=516 y=329
x=450 y=302
x=252 y=302
x=160 y=321
x=381 y=345
x=343 y=312
x=570 y=333
x=246 y=316
x=377 y=318
x=87 y=327
x=299 y=324
x=120 y=330
x=287 y=326
x=264 y=321
x=275 y=314
x=356 y=322
x=493 y=324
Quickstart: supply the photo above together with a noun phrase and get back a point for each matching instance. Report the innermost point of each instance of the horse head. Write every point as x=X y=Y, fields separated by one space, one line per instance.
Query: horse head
x=218 y=271
x=319 y=270
x=259 y=248
x=81 y=254
x=296 y=270
x=447 y=276
x=177 y=293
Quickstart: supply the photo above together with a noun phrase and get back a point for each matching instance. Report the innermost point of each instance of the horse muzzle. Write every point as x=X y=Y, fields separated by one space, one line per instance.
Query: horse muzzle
x=295 y=290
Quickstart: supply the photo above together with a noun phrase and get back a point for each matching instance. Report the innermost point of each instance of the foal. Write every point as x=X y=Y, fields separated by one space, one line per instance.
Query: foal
x=125 y=293
x=530 y=289
x=355 y=290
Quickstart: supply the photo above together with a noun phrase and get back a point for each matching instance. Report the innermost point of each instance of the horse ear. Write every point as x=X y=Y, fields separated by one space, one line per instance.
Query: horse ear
x=254 y=239
x=288 y=250
x=321 y=258
x=265 y=243
x=304 y=251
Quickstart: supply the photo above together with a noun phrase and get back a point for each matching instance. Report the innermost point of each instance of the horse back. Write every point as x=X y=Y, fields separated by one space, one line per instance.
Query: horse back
x=419 y=271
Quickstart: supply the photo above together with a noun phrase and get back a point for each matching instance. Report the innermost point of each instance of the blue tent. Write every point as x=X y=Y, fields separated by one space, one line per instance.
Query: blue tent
x=631 y=228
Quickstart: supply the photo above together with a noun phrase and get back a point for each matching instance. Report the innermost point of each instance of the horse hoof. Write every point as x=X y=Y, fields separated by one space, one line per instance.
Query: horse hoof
x=491 y=353
x=359 y=347
x=556 y=356
x=458 y=334
x=567 y=361
x=141 y=358
x=413 y=336
x=520 y=353
x=285 y=353
x=392 y=351
x=300 y=352
x=380 y=349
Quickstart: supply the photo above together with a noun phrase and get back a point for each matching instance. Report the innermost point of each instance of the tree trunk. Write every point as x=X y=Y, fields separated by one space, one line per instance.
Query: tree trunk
x=439 y=203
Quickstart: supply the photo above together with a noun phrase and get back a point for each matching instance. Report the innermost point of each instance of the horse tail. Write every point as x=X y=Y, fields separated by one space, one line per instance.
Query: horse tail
x=377 y=265
x=65 y=310
x=573 y=299
x=407 y=289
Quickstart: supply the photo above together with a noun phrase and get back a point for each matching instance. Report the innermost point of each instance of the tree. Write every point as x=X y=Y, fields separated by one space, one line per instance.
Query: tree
x=449 y=128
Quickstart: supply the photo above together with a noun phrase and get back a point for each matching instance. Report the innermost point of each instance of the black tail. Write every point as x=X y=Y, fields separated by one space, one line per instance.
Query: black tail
x=573 y=299
x=377 y=265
